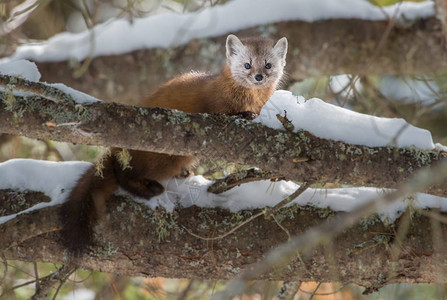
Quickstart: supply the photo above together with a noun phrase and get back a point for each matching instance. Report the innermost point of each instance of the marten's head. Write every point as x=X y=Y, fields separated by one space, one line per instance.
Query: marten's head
x=258 y=62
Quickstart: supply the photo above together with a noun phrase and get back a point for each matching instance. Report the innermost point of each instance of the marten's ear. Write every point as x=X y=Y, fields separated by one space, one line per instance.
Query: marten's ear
x=280 y=48
x=234 y=46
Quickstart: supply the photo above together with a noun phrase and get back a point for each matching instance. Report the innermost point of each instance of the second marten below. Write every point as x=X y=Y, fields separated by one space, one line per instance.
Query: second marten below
x=253 y=70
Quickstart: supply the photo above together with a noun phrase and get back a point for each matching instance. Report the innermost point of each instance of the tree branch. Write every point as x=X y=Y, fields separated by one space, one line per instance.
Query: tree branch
x=132 y=241
x=315 y=49
x=297 y=156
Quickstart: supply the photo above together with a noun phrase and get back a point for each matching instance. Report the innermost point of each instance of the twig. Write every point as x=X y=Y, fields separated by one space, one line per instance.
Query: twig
x=287 y=200
x=323 y=294
x=186 y=290
x=227 y=233
x=433 y=215
x=36 y=274
x=314 y=292
x=5 y=264
x=282 y=227
x=383 y=40
x=267 y=213
x=16 y=287
x=49 y=281
x=286 y=123
x=235 y=179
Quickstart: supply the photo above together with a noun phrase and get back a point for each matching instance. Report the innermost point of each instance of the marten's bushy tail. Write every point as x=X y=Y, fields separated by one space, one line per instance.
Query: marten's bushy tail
x=78 y=215
x=84 y=206
x=87 y=201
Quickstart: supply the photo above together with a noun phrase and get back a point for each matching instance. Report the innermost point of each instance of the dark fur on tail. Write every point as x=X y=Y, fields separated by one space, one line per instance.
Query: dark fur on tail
x=78 y=215
x=87 y=201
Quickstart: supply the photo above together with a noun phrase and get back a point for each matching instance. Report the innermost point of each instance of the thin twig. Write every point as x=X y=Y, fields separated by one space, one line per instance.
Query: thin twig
x=186 y=290
x=227 y=233
x=314 y=292
x=267 y=213
x=282 y=227
x=433 y=215
x=36 y=275
x=16 y=287
x=383 y=39
x=323 y=294
x=235 y=179
x=47 y=282
x=287 y=200
x=5 y=263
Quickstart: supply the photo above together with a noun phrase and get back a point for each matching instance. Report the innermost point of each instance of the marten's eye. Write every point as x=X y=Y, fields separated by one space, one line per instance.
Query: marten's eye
x=268 y=65
x=247 y=66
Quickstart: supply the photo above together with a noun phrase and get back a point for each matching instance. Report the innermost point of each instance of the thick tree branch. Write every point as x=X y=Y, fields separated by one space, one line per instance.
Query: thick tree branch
x=300 y=156
x=316 y=49
x=9 y=204
x=321 y=234
x=136 y=242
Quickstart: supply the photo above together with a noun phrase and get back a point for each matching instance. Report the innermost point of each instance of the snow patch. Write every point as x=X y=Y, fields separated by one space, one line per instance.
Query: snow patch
x=21 y=68
x=54 y=179
x=328 y=121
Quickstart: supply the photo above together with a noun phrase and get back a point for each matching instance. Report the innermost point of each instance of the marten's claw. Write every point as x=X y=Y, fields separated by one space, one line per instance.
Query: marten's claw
x=248 y=115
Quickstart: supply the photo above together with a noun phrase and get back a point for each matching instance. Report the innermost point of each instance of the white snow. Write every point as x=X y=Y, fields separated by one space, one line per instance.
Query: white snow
x=28 y=70
x=328 y=121
x=193 y=191
x=80 y=294
x=56 y=179
x=21 y=68
x=171 y=29
x=409 y=90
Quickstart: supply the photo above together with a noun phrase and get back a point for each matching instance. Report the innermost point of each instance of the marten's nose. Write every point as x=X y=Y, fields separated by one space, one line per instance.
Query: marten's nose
x=258 y=77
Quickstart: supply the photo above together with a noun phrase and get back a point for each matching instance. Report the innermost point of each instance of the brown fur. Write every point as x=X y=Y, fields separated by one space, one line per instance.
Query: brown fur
x=204 y=93
x=193 y=93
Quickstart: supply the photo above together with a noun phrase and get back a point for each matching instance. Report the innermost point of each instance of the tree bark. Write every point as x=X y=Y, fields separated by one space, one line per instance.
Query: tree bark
x=323 y=48
x=132 y=240
x=297 y=156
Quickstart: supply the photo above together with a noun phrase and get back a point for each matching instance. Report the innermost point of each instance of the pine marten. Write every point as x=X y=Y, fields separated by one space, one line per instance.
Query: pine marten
x=254 y=68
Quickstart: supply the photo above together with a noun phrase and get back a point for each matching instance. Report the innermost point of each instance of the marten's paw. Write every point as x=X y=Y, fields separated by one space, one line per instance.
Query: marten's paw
x=145 y=188
x=247 y=115
x=153 y=188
